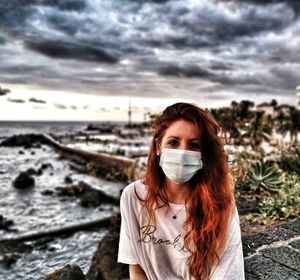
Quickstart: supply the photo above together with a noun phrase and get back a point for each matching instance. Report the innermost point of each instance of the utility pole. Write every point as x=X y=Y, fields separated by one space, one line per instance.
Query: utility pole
x=129 y=114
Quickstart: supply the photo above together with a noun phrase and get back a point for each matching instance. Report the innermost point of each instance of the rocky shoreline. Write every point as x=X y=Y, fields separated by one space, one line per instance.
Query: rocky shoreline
x=271 y=254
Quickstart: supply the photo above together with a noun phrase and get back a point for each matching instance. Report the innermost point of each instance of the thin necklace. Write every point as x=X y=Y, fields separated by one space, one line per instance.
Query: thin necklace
x=175 y=215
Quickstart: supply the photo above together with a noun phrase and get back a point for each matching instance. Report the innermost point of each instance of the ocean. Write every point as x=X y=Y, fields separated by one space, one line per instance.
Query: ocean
x=32 y=211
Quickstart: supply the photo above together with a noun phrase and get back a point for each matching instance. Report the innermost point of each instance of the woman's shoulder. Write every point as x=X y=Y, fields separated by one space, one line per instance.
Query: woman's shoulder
x=134 y=190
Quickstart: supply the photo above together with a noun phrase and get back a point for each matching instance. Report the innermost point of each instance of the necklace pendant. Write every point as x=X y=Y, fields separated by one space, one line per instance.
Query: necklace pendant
x=174 y=217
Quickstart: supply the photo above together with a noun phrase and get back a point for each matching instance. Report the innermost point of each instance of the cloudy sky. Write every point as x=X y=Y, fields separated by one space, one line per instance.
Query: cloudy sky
x=85 y=59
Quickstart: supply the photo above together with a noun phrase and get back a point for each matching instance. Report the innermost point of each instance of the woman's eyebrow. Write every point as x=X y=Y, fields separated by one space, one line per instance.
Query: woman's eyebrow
x=176 y=137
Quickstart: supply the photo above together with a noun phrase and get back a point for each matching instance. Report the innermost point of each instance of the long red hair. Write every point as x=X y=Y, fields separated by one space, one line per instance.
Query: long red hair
x=211 y=201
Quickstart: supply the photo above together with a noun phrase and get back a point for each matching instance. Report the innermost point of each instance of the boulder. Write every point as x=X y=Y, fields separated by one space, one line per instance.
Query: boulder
x=68 y=272
x=47 y=192
x=5 y=223
x=9 y=259
x=104 y=263
x=11 y=251
x=88 y=196
x=46 y=165
x=24 y=180
x=24 y=140
x=68 y=180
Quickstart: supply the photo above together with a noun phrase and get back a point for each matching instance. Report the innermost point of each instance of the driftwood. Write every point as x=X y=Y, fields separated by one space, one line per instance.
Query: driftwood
x=103 y=222
x=108 y=166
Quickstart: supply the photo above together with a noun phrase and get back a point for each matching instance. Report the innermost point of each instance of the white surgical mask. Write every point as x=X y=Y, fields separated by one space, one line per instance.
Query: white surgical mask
x=180 y=165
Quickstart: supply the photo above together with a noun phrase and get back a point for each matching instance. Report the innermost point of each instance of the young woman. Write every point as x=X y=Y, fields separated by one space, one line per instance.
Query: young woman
x=180 y=221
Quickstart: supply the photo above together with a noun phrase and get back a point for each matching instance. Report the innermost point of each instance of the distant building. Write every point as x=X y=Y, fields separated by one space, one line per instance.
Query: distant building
x=265 y=107
x=283 y=108
x=298 y=97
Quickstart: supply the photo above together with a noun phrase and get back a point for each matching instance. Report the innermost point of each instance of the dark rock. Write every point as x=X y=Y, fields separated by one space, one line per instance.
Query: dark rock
x=39 y=172
x=43 y=167
x=5 y=223
x=283 y=255
x=104 y=265
x=273 y=262
x=252 y=242
x=24 y=140
x=88 y=196
x=31 y=171
x=250 y=276
x=264 y=268
x=46 y=165
x=279 y=233
x=68 y=272
x=42 y=243
x=293 y=225
x=47 y=192
x=12 y=246
x=21 y=152
x=78 y=168
x=62 y=191
x=68 y=180
x=295 y=244
x=23 y=181
x=9 y=259
x=32 y=153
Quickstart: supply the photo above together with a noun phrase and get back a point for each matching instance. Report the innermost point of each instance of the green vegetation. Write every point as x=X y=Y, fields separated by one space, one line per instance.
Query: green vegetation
x=271 y=181
x=264 y=177
x=277 y=190
x=286 y=203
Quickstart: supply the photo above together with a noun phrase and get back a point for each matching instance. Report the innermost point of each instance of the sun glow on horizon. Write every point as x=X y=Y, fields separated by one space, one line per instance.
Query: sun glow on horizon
x=66 y=106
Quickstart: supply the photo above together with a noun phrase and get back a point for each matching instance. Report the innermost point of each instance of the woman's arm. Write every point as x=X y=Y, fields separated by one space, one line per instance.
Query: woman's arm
x=136 y=272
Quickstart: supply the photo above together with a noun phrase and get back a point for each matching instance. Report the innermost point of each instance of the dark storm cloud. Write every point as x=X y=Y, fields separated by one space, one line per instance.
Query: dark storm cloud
x=127 y=47
x=63 y=23
x=189 y=71
x=13 y=13
x=68 y=5
x=294 y=4
x=22 y=69
x=211 y=28
x=14 y=100
x=2 y=40
x=69 y=50
x=34 y=100
x=60 y=106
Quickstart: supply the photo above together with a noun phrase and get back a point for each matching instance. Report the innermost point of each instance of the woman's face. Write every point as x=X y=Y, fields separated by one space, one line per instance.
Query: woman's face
x=183 y=135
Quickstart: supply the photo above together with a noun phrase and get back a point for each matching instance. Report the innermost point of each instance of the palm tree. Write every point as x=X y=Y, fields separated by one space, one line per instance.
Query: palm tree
x=291 y=125
x=228 y=123
x=259 y=129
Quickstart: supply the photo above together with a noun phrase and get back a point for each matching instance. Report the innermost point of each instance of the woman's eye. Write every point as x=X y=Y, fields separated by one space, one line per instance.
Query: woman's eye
x=194 y=146
x=173 y=143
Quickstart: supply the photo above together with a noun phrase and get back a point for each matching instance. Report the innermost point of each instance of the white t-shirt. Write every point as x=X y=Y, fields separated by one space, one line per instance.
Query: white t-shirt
x=159 y=249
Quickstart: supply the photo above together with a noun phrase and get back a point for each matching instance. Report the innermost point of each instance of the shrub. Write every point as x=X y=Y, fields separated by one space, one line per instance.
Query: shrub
x=265 y=176
x=286 y=203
